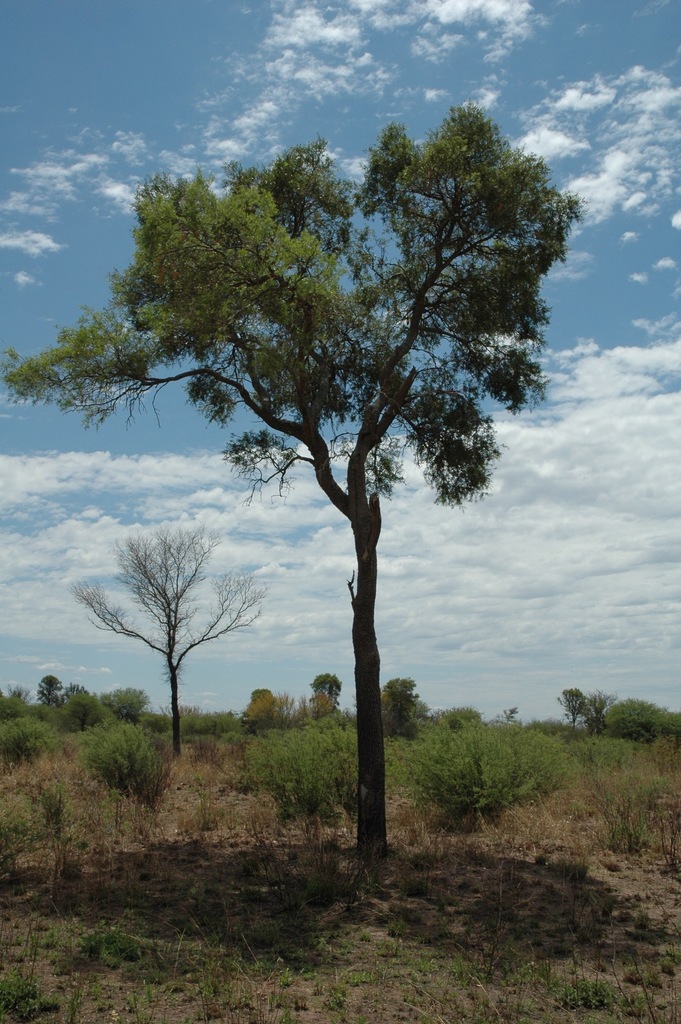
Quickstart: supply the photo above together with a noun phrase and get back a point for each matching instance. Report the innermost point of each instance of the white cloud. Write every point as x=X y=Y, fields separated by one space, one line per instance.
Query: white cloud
x=57 y=174
x=33 y=243
x=434 y=95
x=131 y=146
x=631 y=122
x=639 y=278
x=666 y=263
x=120 y=193
x=551 y=143
x=629 y=236
x=302 y=26
x=676 y=220
x=23 y=280
x=586 y=96
x=434 y=45
x=511 y=20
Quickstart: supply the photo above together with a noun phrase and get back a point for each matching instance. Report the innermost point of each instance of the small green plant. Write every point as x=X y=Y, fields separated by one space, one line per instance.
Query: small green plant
x=55 y=821
x=17 y=835
x=480 y=770
x=21 y=997
x=572 y=869
x=126 y=759
x=626 y=815
x=584 y=993
x=24 y=739
x=111 y=946
x=309 y=772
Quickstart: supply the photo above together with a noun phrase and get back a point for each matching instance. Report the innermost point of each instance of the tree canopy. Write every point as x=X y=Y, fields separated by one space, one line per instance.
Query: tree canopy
x=353 y=322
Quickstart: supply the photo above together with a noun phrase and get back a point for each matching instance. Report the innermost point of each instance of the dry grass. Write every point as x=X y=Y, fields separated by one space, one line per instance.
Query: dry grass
x=208 y=909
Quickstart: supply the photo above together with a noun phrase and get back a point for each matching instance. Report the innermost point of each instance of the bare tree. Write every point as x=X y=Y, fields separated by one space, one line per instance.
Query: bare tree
x=163 y=572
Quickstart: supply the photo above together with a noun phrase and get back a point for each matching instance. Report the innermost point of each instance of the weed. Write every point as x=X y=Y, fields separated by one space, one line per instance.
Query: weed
x=126 y=759
x=480 y=770
x=17 y=836
x=111 y=946
x=21 y=997
x=308 y=772
x=572 y=869
x=626 y=821
x=24 y=739
x=587 y=994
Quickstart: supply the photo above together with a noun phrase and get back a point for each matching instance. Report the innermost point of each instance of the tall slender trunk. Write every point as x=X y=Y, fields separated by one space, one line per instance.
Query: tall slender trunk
x=371 y=818
x=174 y=707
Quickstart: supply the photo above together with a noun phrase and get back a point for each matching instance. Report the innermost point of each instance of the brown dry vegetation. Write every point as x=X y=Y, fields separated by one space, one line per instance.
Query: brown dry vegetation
x=209 y=909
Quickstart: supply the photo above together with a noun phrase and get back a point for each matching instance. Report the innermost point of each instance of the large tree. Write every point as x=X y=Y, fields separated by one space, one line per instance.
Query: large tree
x=352 y=322
x=163 y=572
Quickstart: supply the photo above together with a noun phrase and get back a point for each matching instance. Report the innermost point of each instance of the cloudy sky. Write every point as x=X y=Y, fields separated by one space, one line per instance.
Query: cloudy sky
x=569 y=573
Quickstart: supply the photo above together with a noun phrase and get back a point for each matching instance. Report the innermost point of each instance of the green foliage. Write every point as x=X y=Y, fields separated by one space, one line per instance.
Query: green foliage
x=156 y=723
x=125 y=758
x=602 y=753
x=21 y=997
x=82 y=711
x=309 y=772
x=481 y=770
x=24 y=739
x=267 y=711
x=12 y=707
x=17 y=835
x=127 y=705
x=401 y=708
x=594 y=709
x=628 y=807
x=111 y=946
x=217 y=724
x=636 y=720
x=328 y=685
x=588 y=994
x=50 y=691
x=458 y=718
x=572 y=702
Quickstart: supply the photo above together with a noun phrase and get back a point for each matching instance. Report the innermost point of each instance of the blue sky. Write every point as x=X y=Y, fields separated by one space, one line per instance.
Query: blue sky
x=569 y=573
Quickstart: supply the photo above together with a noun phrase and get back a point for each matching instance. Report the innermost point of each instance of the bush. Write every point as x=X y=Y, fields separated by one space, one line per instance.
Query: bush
x=22 y=998
x=216 y=724
x=480 y=770
x=309 y=772
x=636 y=720
x=126 y=759
x=17 y=835
x=12 y=707
x=23 y=739
x=601 y=753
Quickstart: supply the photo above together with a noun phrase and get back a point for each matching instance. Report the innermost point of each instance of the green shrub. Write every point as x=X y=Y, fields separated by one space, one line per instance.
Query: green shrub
x=23 y=739
x=216 y=724
x=111 y=946
x=480 y=770
x=600 y=753
x=636 y=720
x=12 y=707
x=587 y=994
x=17 y=835
x=157 y=723
x=21 y=997
x=309 y=772
x=125 y=758
x=629 y=807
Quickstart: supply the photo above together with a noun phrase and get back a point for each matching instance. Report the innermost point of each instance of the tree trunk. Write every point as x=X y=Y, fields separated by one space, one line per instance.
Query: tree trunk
x=174 y=708
x=371 y=820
